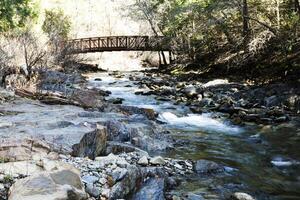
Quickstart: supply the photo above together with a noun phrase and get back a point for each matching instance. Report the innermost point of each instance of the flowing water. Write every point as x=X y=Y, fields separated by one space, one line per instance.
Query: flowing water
x=264 y=164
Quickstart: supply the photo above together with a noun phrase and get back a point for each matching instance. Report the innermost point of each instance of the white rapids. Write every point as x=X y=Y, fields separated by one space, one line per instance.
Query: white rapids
x=202 y=122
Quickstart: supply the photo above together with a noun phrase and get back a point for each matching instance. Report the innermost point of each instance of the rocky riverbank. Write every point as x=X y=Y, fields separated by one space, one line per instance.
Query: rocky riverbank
x=70 y=142
x=241 y=102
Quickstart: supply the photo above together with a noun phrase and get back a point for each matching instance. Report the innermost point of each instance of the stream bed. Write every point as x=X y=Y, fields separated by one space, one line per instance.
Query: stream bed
x=256 y=162
x=262 y=161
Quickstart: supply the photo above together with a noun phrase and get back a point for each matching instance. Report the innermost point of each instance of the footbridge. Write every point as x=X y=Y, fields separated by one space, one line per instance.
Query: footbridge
x=119 y=43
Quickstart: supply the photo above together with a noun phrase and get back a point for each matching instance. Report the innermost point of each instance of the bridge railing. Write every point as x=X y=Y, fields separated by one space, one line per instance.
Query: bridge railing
x=119 y=43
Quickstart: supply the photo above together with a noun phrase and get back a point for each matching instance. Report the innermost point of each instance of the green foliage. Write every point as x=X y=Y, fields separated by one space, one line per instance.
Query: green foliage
x=56 y=24
x=8 y=179
x=209 y=24
x=15 y=13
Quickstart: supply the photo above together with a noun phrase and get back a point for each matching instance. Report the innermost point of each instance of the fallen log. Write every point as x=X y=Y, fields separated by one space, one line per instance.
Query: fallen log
x=46 y=97
x=81 y=98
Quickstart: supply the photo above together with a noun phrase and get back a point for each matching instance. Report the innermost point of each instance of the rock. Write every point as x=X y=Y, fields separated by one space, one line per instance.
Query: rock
x=272 y=101
x=87 y=98
x=118 y=174
x=116 y=101
x=150 y=137
x=206 y=102
x=281 y=119
x=102 y=181
x=152 y=189
x=30 y=167
x=143 y=161
x=206 y=167
x=118 y=147
x=60 y=184
x=106 y=192
x=127 y=185
x=93 y=190
x=97 y=79
x=192 y=196
x=112 y=159
x=148 y=112
x=190 y=91
x=117 y=131
x=157 y=161
x=12 y=150
x=92 y=144
x=88 y=179
x=3 y=192
x=242 y=196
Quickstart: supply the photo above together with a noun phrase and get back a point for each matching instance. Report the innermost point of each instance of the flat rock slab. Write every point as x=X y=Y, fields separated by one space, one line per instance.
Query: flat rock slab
x=62 y=184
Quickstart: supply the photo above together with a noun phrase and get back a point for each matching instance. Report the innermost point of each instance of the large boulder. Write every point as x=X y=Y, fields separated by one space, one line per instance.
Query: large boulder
x=152 y=189
x=117 y=131
x=64 y=184
x=87 y=98
x=92 y=144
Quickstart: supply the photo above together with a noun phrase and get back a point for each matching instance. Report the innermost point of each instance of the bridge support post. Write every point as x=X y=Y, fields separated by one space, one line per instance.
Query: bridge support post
x=159 y=56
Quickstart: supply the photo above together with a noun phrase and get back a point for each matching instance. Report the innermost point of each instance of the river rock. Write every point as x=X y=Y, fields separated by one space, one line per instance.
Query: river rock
x=92 y=144
x=93 y=190
x=152 y=189
x=272 y=101
x=117 y=131
x=116 y=101
x=157 y=161
x=118 y=174
x=127 y=185
x=190 y=91
x=143 y=161
x=87 y=98
x=147 y=112
x=60 y=184
x=206 y=167
x=242 y=196
x=88 y=179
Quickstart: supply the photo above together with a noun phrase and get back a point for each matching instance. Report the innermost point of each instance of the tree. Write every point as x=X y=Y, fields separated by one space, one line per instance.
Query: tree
x=56 y=25
x=15 y=13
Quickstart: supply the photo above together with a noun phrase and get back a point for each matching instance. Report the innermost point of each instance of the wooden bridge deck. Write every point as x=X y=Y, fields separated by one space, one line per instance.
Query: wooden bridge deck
x=119 y=43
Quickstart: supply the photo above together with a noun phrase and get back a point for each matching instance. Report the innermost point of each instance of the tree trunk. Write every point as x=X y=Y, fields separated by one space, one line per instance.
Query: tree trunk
x=245 y=18
x=297 y=7
x=152 y=25
x=245 y=23
x=278 y=13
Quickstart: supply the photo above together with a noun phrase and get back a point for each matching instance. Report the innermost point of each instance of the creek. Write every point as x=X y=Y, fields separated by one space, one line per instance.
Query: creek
x=257 y=163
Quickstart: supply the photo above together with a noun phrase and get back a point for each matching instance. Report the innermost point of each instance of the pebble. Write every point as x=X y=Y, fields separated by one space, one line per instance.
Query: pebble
x=102 y=181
